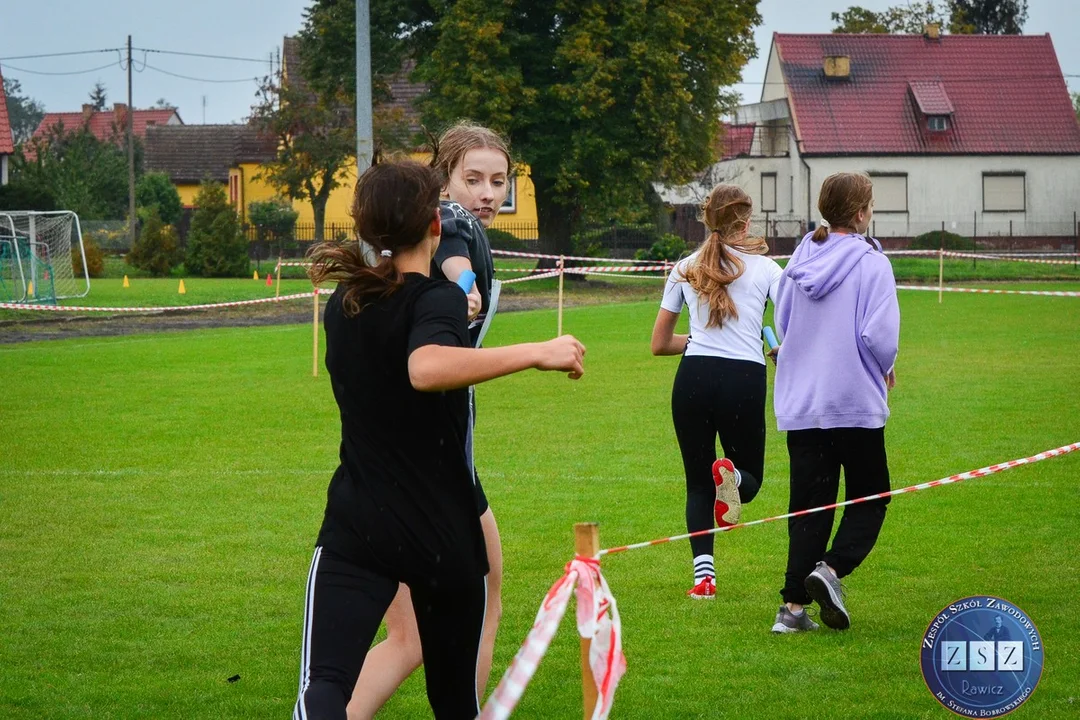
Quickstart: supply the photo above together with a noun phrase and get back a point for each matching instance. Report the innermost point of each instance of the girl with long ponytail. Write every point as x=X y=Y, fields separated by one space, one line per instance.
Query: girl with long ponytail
x=719 y=389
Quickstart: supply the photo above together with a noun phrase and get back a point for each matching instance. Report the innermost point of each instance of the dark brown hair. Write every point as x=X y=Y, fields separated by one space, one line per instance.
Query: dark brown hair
x=393 y=206
x=841 y=198
x=449 y=149
x=725 y=213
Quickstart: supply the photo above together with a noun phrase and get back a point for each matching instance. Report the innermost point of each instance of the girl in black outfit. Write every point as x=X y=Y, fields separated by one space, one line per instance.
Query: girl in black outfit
x=401 y=506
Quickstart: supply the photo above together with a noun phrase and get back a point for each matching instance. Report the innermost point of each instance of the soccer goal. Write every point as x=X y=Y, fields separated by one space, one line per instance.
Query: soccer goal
x=36 y=257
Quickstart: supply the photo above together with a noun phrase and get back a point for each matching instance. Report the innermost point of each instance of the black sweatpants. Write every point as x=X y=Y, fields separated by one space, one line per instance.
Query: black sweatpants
x=816 y=459
x=711 y=397
x=344 y=607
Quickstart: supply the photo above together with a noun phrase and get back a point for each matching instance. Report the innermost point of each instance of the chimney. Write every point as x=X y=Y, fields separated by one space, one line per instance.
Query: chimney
x=837 y=66
x=932 y=31
x=87 y=111
x=120 y=114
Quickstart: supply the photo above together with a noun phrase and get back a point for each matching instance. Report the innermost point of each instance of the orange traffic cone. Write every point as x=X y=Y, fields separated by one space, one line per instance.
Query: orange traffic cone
x=182 y=290
x=255 y=276
x=269 y=280
x=126 y=283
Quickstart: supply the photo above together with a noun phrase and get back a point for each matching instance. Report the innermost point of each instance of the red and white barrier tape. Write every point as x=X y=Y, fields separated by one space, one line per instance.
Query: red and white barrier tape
x=165 y=308
x=981 y=472
x=932 y=288
x=597 y=618
x=1006 y=258
x=541 y=276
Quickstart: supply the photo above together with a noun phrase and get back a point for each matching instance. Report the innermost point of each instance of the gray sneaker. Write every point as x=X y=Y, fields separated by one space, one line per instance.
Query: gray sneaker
x=825 y=588
x=789 y=622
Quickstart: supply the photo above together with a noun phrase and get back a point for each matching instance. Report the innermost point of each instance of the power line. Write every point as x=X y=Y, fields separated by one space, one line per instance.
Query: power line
x=203 y=55
x=73 y=72
x=206 y=80
x=63 y=54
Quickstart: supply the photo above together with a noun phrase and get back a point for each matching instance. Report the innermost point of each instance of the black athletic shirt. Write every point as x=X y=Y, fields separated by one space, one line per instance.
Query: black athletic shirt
x=402 y=501
x=463 y=236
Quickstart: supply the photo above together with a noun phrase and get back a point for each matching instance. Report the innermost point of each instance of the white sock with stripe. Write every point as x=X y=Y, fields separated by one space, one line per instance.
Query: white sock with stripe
x=703 y=568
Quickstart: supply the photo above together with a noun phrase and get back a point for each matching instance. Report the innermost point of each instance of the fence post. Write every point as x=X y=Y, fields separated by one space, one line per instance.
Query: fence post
x=562 y=264
x=1076 y=240
x=974 y=236
x=315 y=334
x=587 y=544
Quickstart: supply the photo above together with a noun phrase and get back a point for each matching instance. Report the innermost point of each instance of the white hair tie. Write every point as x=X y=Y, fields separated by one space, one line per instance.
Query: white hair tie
x=824 y=223
x=386 y=253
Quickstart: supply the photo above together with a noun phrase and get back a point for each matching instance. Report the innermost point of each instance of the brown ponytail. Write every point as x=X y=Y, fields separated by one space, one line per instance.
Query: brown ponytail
x=841 y=198
x=393 y=206
x=726 y=213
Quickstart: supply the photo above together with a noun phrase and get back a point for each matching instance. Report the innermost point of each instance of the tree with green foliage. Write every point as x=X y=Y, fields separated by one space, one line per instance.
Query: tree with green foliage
x=1076 y=104
x=24 y=113
x=86 y=175
x=156 y=248
x=215 y=245
x=990 y=17
x=98 y=97
x=598 y=98
x=24 y=196
x=155 y=190
x=316 y=141
x=959 y=17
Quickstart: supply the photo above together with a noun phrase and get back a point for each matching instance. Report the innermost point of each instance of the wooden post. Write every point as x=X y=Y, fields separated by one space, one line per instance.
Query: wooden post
x=587 y=544
x=278 y=292
x=940 y=273
x=562 y=264
x=315 y=335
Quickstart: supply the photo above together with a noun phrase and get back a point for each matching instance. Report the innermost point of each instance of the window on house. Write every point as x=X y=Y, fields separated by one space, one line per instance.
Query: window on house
x=890 y=192
x=1004 y=192
x=768 y=192
x=937 y=122
x=510 y=203
x=234 y=189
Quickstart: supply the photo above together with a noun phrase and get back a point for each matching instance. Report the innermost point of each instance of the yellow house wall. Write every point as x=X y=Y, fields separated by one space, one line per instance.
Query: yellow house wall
x=187 y=194
x=522 y=221
x=252 y=188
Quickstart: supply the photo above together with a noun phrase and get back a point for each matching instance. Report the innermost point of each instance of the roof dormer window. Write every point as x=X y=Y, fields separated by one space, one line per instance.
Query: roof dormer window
x=937 y=123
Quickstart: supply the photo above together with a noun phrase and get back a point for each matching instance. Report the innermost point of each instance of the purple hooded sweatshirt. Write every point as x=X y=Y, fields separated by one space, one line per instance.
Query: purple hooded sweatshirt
x=839 y=321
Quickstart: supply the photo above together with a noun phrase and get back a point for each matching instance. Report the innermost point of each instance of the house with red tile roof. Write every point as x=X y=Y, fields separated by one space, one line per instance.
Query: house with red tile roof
x=974 y=131
x=7 y=141
x=104 y=124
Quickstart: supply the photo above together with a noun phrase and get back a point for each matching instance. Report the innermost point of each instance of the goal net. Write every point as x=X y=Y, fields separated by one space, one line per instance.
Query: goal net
x=36 y=257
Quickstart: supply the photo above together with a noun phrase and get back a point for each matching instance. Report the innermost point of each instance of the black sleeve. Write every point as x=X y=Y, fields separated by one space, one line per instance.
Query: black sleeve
x=440 y=317
x=455 y=237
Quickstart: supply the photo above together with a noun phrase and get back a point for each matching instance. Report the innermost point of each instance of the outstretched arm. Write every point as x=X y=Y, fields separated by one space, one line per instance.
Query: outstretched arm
x=433 y=368
x=452 y=267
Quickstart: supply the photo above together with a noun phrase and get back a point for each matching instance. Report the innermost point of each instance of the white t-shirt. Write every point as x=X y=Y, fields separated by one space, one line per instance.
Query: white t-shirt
x=736 y=339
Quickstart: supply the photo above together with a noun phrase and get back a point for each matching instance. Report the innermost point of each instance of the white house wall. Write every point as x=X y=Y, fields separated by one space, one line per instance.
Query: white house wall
x=950 y=190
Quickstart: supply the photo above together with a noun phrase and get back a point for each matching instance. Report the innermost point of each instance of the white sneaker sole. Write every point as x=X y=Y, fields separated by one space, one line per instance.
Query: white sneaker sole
x=728 y=493
x=833 y=613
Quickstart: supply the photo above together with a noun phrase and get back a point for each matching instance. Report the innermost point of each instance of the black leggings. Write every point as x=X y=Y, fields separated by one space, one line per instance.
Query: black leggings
x=344 y=606
x=712 y=397
x=816 y=459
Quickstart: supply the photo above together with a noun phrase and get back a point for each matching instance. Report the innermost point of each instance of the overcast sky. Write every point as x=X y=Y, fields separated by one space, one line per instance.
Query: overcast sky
x=236 y=28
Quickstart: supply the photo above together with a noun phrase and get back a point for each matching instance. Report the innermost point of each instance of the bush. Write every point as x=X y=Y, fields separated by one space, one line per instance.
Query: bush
x=155 y=190
x=23 y=196
x=933 y=240
x=215 y=245
x=95 y=260
x=502 y=240
x=668 y=247
x=156 y=249
x=273 y=219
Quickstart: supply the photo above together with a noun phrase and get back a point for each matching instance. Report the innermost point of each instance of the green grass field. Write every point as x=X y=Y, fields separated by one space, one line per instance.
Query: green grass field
x=160 y=494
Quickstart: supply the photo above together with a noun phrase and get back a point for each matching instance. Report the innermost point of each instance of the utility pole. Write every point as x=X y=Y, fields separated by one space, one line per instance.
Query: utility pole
x=131 y=152
x=363 y=87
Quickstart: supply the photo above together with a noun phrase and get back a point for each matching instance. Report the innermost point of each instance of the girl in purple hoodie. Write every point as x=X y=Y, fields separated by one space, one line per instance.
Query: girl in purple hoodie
x=840 y=321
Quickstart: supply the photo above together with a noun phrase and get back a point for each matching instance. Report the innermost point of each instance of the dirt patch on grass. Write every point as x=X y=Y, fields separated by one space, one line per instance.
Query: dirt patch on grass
x=62 y=326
